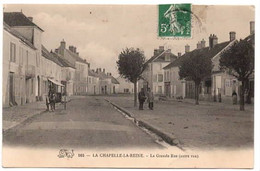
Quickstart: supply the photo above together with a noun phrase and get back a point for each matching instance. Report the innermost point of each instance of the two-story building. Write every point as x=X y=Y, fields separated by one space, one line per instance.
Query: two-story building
x=153 y=75
x=81 y=67
x=22 y=53
x=210 y=87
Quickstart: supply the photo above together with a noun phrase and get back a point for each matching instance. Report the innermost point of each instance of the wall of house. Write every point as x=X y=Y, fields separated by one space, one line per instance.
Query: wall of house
x=23 y=89
x=93 y=85
x=81 y=75
x=157 y=83
x=125 y=86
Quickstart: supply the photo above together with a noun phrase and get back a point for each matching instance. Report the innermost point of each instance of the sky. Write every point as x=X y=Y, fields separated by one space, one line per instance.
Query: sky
x=100 y=32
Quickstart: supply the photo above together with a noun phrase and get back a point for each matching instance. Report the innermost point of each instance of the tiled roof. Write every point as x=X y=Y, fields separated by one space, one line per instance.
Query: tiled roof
x=63 y=61
x=161 y=57
x=19 y=36
x=50 y=56
x=251 y=38
x=113 y=79
x=18 y=19
x=203 y=51
x=75 y=56
x=91 y=73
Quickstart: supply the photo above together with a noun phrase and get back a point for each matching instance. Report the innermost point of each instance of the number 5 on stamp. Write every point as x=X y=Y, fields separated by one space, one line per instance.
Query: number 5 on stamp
x=174 y=20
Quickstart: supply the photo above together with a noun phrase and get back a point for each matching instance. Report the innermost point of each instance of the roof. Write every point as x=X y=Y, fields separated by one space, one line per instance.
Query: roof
x=103 y=75
x=113 y=79
x=18 y=19
x=19 y=36
x=50 y=56
x=161 y=57
x=63 y=61
x=75 y=56
x=250 y=38
x=203 y=51
x=91 y=73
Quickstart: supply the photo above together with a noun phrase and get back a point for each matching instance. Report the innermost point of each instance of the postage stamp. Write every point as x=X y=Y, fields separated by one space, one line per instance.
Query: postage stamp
x=174 y=20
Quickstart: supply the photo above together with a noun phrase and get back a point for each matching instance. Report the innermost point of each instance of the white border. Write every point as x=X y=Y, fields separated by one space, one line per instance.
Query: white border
x=198 y=2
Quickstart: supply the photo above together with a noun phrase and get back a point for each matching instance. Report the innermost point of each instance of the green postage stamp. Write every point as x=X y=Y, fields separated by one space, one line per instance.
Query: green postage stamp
x=174 y=20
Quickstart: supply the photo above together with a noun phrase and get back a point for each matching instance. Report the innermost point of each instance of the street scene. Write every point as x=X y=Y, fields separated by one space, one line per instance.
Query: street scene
x=92 y=80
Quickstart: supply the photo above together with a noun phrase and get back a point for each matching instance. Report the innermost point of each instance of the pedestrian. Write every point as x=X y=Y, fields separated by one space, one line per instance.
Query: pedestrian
x=150 y=99
x=64 y=100
x=47 y=102
x=234 y=97
x=141 y=98
x=52 y=101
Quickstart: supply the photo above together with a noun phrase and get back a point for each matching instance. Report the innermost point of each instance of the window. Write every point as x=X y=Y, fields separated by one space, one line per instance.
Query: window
x=160 y=89
x=160 y=78
x=37 y=60
x=21 y=56
x=12 y=52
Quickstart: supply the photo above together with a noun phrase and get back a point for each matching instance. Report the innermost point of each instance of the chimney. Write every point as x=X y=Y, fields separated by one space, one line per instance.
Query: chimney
x=71 y=48
x=30 y=18
x=75 y=50
x=187 y=48
x=155 y=52
x=232 y=35
x=213 y=40
x=97 y=70
x=104 y=70
x=168 y=55
x=198 y=45
x=203 y=43
x=56 y=50
x=179 y=54
x=252 y=27
x=161 y=49
x=110 y=74
x=63 y=44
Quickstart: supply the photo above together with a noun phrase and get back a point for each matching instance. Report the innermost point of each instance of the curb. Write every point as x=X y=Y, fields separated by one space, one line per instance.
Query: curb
x=166 y=137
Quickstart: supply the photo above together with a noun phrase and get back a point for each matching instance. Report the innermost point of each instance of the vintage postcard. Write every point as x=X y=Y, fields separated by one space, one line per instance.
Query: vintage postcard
x=128 y=86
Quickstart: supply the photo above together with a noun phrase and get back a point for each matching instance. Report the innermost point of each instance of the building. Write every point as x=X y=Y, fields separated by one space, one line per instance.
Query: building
x=107 y=83
x=93 y=83
x=125 y=86
x=153 y=76
x=210 y=87
x=51 y=71
x=82 y=66
x=21 y=59
x=67 y=74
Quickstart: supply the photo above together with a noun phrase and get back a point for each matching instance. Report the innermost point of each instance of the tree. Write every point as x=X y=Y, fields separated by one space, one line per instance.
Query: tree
x=131 y=64
x=239 y=59
x=195 y=67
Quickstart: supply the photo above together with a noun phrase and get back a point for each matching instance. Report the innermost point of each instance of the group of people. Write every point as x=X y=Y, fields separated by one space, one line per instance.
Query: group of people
x=142 y=96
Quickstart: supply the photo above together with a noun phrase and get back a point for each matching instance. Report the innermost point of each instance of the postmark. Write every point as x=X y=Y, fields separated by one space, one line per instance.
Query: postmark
x=174 y=20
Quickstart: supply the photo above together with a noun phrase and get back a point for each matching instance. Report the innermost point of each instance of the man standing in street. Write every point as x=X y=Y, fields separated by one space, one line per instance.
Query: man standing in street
x=141 y=98
x=150 y=99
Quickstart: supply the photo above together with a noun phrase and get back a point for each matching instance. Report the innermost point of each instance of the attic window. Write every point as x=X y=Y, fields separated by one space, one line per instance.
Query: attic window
x=167 y=58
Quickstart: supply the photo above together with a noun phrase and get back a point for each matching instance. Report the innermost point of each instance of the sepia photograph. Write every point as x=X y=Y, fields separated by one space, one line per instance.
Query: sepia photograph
x=128 y=86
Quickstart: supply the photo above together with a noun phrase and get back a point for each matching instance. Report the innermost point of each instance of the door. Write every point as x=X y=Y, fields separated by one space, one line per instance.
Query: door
x=11 y=89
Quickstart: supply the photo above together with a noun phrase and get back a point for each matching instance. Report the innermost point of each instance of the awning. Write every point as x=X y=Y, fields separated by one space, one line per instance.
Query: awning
x=55 y=82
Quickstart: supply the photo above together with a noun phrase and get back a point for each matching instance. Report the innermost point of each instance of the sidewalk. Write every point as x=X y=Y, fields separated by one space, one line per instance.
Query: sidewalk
x=15 y=115
x=205 y=126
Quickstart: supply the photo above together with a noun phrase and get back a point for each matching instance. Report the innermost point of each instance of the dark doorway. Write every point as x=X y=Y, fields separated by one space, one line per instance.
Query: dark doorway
x=11 y=89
